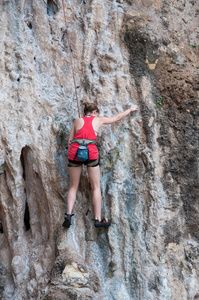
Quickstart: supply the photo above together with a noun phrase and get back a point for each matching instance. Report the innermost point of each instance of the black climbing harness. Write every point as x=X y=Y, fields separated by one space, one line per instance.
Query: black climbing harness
x=84 y=142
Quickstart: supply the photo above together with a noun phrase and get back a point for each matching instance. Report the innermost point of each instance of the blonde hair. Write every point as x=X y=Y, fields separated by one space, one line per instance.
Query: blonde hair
x=90 y=107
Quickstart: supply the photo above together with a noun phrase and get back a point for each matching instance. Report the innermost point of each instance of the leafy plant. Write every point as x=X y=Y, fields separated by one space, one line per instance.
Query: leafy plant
x=63 y=131
x=194 y=46
x=56 y=118
x=90 y=66
x=86 y=83
x=159 y=101
x=62 y=128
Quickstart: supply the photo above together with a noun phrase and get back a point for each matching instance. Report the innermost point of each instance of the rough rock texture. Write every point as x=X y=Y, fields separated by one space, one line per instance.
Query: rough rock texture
x=123 y=51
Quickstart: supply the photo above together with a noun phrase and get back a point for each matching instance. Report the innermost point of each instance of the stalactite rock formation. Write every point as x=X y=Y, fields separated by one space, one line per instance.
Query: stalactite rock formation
x=124 y=52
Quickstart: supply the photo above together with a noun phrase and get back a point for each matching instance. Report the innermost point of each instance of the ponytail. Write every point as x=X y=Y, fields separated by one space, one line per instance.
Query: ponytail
x=90 y=107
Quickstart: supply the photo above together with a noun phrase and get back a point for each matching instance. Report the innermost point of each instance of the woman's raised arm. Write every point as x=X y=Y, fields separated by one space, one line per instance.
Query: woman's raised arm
x=120 y=116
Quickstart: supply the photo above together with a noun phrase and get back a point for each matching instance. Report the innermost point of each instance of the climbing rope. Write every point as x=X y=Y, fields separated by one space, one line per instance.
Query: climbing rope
x=71 y=61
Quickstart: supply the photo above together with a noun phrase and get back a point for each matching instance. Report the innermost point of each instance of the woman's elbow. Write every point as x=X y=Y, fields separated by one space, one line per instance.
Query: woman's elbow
x=118 y=118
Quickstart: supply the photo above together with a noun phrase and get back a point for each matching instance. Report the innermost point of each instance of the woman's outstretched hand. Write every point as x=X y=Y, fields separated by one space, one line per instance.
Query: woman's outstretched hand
x=133 y=108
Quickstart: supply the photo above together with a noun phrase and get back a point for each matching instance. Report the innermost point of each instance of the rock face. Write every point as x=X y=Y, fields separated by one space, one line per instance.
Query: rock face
x=123 y=51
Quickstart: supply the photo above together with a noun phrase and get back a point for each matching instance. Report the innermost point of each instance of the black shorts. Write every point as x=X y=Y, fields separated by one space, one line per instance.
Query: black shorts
x=88 y=163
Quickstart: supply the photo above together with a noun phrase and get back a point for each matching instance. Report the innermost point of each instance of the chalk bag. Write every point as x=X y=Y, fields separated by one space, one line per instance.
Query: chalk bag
x=82 y=153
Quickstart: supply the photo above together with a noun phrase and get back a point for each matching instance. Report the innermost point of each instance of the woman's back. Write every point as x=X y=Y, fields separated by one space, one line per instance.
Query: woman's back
x=86 y=131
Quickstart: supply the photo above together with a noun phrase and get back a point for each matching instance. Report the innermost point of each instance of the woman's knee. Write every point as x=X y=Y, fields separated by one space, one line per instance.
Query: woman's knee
x=73 y=187
x=95 y=187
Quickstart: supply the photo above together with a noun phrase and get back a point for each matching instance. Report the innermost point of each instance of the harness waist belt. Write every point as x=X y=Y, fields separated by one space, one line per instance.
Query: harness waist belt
x=84 y=141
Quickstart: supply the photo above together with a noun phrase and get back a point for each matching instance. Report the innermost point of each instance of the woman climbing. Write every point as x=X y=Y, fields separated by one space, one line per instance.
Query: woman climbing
x=84 y=132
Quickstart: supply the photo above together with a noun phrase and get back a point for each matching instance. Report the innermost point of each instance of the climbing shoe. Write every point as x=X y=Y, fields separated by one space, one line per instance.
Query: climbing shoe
x=67 y=220
x=103 y=223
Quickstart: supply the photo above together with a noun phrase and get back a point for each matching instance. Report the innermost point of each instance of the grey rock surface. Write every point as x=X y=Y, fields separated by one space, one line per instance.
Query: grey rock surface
x=141 y=52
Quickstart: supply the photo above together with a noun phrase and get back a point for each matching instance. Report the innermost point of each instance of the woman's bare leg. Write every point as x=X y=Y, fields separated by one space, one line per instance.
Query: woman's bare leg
x=75 y=173
x=94 y=176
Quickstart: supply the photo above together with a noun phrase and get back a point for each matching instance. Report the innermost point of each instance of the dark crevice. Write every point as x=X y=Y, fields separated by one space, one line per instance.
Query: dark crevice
x=23 y=163
x=52 y=8
x=1 y=220
x=29 y=24
x=35 y=200
x=1 y=226
x=27 y=217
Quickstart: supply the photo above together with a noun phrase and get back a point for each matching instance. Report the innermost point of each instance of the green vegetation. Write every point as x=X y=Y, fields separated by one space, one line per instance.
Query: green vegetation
x=86 y=83
x=194 y=46
x=56 y=119
x=90 y=66
x=62 y=128
x=1 y=169
x=159 y=101
x=63 y=131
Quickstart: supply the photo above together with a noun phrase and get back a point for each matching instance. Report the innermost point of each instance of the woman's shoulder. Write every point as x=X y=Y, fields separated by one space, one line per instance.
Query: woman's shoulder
x=78 y=122
x=99 y=119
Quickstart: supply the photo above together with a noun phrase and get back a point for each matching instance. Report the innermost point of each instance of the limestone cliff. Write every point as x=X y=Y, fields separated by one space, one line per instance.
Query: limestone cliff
x=124 y=51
